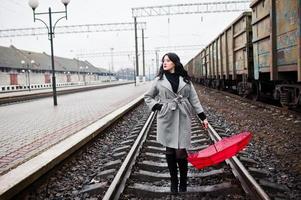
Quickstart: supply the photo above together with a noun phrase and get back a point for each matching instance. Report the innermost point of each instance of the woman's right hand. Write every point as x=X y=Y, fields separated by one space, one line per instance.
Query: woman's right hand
x=205 y=123
x=157 y=106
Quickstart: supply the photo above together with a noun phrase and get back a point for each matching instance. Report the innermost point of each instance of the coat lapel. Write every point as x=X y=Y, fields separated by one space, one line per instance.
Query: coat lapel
x=166 y=83
x=181 y=84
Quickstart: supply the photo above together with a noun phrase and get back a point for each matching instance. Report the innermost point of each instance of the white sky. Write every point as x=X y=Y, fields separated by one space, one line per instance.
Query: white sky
x=195 y=29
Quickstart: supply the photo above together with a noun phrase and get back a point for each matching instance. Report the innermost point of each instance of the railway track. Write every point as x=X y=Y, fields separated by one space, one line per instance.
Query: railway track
x=144 y=171
x=265 y=104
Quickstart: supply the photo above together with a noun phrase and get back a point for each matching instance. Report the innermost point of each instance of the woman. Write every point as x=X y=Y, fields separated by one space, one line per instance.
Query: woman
x=175 y=98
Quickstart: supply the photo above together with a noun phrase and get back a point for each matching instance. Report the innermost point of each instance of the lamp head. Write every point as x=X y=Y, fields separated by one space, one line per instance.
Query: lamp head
x=33 y=4
x=65 y=2
x=22 y=62
x=32 y=61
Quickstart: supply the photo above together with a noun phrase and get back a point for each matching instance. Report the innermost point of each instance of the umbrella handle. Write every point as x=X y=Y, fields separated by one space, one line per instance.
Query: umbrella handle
x=211 y=142
x=215 y=147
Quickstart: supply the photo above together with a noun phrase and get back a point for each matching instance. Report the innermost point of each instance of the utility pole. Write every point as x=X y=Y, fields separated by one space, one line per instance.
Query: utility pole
x=143 y=55
x=136 y=51
x=112 y=63
x=157 y=62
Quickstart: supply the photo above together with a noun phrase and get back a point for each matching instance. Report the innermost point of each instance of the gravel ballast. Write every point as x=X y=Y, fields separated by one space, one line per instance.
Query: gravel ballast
x=276 y=134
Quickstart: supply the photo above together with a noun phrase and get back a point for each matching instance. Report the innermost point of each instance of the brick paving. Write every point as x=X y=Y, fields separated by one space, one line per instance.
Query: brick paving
x=29 y=128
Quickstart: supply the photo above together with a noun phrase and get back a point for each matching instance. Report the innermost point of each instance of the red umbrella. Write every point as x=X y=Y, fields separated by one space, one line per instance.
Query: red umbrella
x=219 y=151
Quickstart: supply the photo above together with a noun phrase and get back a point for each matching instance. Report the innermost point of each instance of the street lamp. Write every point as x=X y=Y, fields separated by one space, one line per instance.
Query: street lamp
x=28 y=71
x=34 y=4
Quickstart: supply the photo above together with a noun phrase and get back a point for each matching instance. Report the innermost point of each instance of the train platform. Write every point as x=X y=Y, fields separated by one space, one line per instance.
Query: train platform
x=49 y=90
x=29 y=128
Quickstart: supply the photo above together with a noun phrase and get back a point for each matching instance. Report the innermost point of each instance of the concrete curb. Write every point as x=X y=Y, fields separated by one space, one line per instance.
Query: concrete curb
x=19 y=178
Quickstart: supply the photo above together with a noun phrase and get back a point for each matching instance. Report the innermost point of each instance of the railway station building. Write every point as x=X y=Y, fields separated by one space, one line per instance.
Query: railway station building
x=25 y=70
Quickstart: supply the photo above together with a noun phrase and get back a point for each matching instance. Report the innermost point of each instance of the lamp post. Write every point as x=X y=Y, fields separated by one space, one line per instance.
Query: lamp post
x=28 y=71
x=34 y=4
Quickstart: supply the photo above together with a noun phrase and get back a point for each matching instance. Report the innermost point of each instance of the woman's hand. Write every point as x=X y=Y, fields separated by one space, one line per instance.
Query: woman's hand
x=205 y=123
x=157 y=106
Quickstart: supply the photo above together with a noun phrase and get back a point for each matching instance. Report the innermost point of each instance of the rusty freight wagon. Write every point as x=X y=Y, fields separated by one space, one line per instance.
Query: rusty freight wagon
x=197 y=68
x=189 y=68
x=227 y=61
x=277 y=49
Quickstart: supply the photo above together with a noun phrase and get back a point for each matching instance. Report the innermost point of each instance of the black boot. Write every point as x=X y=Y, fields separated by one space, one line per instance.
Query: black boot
x=183 y=167
x=173 y=170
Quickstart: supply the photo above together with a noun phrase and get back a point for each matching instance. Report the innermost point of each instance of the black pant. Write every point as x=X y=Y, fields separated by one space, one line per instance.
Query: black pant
x=178 y=153
x=174 y=157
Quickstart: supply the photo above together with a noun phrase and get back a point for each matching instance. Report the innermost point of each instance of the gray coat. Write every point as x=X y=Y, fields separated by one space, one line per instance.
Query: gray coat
x=174 y=118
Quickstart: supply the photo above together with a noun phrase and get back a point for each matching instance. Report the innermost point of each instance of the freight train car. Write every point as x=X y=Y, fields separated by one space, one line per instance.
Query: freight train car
x=258 y=54
x=277 y=49
x=227 y=61
x=189 y=68
x=197 y=67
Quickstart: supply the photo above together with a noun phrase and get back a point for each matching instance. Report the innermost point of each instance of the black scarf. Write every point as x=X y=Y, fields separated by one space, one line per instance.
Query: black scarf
x=173 y=79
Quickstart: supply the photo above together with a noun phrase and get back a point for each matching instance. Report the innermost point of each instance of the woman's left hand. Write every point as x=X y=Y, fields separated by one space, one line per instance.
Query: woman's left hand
x=205 y=123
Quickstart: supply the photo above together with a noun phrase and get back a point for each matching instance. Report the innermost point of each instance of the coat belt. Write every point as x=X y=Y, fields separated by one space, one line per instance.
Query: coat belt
x=175 y=101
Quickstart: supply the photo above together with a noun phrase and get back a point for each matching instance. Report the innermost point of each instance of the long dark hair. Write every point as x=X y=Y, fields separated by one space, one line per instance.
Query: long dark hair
x=179 y=69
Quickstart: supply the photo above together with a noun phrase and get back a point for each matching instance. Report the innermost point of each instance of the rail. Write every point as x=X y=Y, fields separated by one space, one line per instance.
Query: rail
x=124 y=172
x=249 y=184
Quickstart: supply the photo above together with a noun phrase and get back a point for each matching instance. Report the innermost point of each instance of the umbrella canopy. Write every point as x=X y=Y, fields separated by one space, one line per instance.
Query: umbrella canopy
x=220 y=151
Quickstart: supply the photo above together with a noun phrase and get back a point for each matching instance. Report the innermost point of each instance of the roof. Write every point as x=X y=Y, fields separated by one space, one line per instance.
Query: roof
x=11 y=57
x=254 y=2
